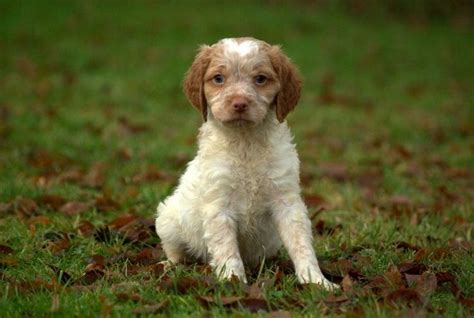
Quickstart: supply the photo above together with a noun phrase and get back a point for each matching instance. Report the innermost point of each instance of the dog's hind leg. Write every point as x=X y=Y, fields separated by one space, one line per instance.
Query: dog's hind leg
x=168 y=230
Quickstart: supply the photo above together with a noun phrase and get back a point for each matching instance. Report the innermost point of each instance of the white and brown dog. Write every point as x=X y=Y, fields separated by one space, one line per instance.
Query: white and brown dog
x=239 y=199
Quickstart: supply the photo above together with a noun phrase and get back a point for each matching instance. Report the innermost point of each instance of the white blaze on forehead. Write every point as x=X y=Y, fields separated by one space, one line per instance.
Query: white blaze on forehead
x=241 y=48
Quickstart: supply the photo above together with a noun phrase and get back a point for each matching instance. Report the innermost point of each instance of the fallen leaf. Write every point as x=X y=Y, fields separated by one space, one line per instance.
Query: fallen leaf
x=254 y=291
x=123 y=220
x=63 y=277
x=85 y=228
x=254 y=304
x=346 y=284
x=184 y=284
x=7 y=261
x=25 y=207
x=32 y=286
x=336 y=171
x=406 y=246
x=95 y=177
x=400 y=201
x=279 y=314
x=336 y=301
x=124 y=154
x=106 y=306
x=96 y=262
x=131 y=128
x=156 y=269
x=105 y=235
x=314 y=200
x=40 y=219
x=123 y=297
x=74 y=207
x=413 y=268
x=404 y=295
x=394 y=277
x=468 y=302
x=148 y=256
x=207 y=301
x=50 y=201
x=323 y=229
x=403 y=151
x=6 y=249
x=444 y=277
x=336 y=270
x=5 y=208
x=60 y=246
x=427 y=284
x=89 y=277
x=105 y=203
x=151 y=174
x=412 y=279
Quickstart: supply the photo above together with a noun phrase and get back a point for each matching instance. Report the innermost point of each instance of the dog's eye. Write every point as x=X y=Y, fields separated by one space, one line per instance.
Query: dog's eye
x=260 y=79
x=218 y=79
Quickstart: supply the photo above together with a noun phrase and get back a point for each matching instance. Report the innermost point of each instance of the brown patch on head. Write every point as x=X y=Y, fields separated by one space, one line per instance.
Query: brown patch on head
x=193 y=84
x=288 y=75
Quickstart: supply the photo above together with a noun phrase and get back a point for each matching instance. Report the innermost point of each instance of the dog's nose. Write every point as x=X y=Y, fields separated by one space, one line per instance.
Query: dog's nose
x=240 y=105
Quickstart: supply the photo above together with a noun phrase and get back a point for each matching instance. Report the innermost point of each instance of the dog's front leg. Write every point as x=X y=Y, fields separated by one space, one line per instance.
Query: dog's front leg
x=220 y=235
x=291 y=218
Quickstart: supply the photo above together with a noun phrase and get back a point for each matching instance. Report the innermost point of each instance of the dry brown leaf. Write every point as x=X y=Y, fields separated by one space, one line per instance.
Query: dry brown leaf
x=7 y=261
x=406 y=246
x=63 y=277
x=207 y=301
x=404 y=295
x=85 y=228
x=123 y=221
x=74 y=207
x=279 y=314
x=50 y=201
x=95 y=177
x=105 y=203
x=427 y=284
x=5 y=208
x=128 y=127
x=314 y=200
x=40 y=219
x=254 y=291
x=346 y=284
x=123 y=297
x=4 y=249
x=413 y=268
x=89 y=277
x=334 y=301
x=394 y=277
x=25 y=207
x=412 y=279
x=254 y=304
x=336 y=171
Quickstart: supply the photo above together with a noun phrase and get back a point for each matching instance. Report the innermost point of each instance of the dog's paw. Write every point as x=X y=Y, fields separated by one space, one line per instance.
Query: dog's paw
x=231 y=271
x=313 y=277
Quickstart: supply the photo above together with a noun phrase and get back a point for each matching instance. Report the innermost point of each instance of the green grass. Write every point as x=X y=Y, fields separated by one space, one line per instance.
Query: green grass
x=87 y=82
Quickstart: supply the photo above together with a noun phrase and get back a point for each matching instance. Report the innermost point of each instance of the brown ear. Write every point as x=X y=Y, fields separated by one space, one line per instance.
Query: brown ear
x=193 y=84
x=290 y=82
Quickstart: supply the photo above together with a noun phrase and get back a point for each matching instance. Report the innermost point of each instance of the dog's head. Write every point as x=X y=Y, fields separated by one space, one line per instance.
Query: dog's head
x=238 y=81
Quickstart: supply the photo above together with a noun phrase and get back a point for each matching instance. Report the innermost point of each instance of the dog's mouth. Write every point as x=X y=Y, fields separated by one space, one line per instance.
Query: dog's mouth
x=239 y=122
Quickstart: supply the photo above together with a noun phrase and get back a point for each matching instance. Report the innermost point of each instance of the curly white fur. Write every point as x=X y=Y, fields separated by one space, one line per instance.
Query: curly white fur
x=239 y=199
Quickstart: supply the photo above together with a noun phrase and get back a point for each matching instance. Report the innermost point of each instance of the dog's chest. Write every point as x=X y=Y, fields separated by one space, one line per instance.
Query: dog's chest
x=250 y=184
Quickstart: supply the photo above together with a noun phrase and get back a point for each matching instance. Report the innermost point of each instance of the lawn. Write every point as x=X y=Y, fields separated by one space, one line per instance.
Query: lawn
x=95 y=131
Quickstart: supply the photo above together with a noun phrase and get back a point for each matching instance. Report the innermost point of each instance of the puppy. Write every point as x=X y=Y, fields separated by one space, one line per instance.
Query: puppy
x=239 y=199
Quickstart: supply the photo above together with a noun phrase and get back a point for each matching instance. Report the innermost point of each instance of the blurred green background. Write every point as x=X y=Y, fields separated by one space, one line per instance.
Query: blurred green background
x=91 y=107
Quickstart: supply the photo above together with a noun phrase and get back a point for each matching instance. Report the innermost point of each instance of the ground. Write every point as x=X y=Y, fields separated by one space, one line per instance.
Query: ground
x=95 y=131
